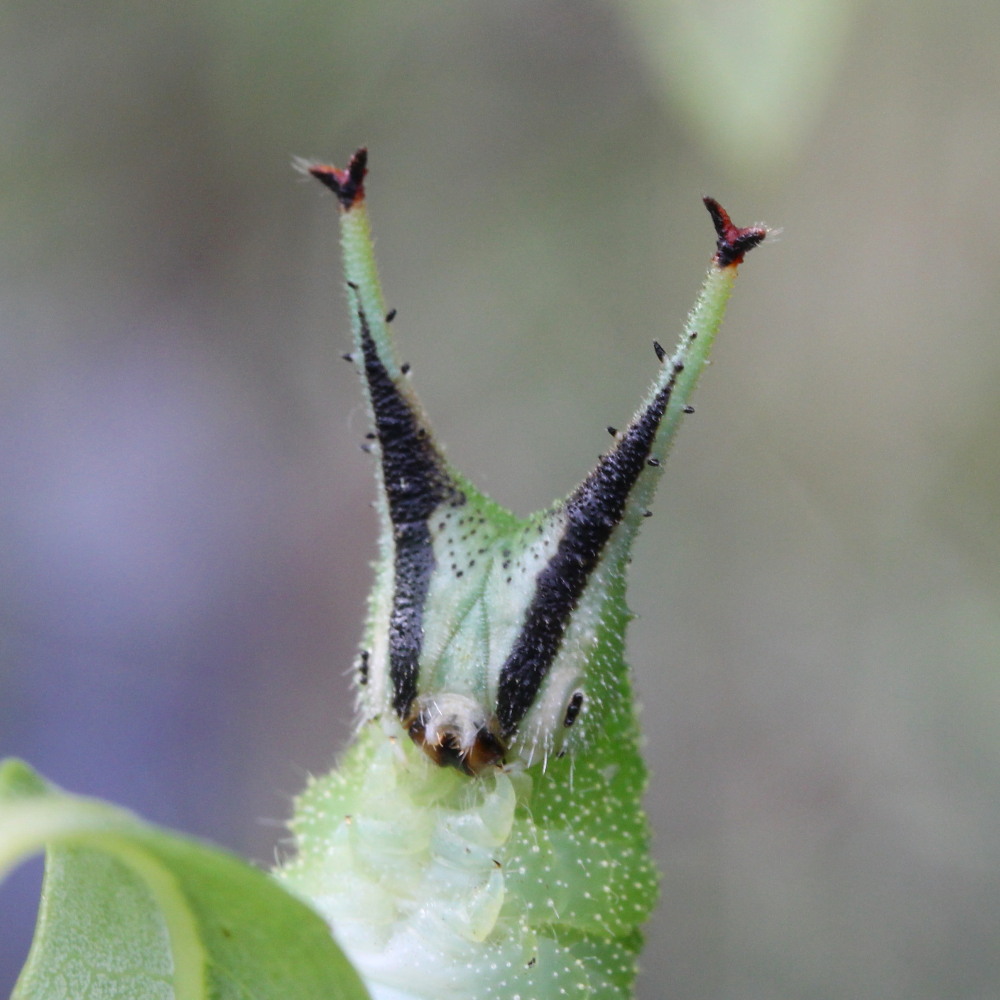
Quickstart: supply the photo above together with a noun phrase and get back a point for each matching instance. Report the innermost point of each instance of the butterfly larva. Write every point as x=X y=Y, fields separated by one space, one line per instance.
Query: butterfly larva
x=484 y=836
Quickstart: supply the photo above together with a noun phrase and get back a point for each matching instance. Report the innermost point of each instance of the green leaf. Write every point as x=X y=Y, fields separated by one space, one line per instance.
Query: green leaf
x=132 y=911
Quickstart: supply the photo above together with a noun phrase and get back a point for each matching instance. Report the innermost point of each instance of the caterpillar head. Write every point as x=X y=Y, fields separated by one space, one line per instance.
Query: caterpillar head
x=492 y=638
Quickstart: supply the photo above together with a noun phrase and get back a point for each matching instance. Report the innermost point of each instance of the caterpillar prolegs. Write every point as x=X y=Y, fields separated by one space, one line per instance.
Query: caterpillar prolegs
x=484 y=836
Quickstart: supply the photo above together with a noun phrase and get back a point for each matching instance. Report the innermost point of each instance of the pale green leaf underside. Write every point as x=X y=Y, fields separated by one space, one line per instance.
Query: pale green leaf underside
x=130 y=911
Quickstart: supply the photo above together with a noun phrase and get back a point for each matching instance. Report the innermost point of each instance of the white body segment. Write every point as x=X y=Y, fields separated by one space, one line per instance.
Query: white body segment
x=442 y=887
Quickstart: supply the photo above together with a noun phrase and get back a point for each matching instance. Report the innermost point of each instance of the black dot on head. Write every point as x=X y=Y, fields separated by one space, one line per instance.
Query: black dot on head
x=573 y=709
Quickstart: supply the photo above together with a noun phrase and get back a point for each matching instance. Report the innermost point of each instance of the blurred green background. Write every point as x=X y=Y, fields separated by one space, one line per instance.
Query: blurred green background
x=184 y=511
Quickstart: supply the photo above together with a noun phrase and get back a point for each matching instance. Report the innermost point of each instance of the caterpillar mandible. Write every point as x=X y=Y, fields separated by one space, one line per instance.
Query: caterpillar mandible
x=484 y=838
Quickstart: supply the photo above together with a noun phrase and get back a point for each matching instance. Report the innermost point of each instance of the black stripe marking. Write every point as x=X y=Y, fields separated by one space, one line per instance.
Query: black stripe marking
x=593 y=510
x=416 y=483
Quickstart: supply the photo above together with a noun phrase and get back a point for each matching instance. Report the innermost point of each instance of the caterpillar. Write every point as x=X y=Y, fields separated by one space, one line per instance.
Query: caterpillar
x=484 y=835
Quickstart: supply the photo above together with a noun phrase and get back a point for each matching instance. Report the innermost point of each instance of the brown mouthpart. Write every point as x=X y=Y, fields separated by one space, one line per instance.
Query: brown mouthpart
x=733 y=242
x=348 y=185
x=454 y=732
x=448 y=751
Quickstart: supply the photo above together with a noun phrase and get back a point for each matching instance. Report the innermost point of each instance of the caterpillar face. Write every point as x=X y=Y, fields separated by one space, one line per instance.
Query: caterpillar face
x=483 y=636
x=488 y=621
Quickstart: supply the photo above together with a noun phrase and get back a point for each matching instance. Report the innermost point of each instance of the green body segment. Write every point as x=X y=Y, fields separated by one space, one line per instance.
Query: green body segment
x=522 y=872
x=521 y=882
